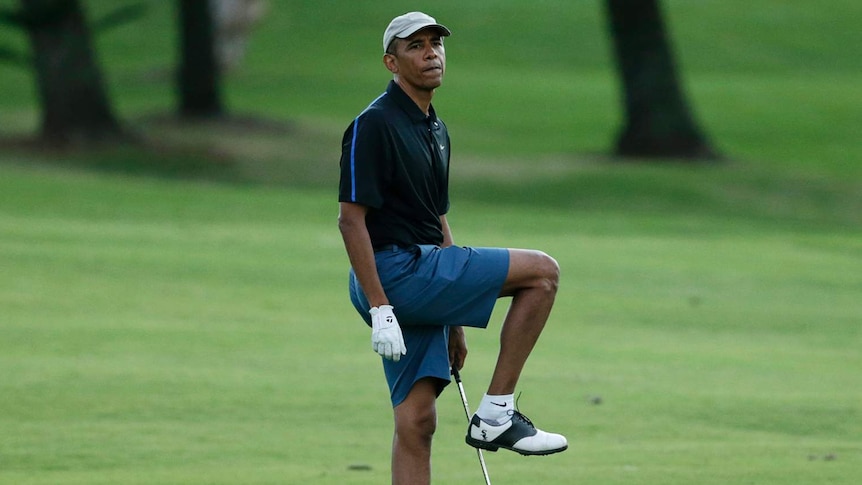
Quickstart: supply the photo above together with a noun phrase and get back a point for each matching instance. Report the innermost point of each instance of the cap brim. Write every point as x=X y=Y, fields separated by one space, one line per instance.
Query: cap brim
x=416 y=28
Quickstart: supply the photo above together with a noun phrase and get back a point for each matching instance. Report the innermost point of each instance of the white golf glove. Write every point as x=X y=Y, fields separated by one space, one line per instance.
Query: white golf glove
x=386 y=338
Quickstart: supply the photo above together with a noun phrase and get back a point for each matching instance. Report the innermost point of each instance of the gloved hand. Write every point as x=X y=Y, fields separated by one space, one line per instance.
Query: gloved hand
x=386 y=338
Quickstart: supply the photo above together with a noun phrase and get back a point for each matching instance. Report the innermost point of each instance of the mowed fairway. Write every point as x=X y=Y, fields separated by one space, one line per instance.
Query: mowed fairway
x=179 y=332
x=155 y=330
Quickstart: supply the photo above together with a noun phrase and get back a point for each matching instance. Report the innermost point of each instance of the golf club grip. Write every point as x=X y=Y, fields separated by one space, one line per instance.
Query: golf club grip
x=456 y=374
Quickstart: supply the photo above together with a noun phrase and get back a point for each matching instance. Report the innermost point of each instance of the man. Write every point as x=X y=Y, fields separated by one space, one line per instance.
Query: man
x=408 y=280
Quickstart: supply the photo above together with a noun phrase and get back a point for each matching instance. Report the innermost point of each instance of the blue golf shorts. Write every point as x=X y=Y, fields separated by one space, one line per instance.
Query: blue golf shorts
x=431 y=289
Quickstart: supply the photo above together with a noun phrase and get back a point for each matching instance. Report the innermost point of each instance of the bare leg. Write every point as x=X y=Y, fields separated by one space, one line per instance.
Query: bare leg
x=532 y=283
x=415 y=423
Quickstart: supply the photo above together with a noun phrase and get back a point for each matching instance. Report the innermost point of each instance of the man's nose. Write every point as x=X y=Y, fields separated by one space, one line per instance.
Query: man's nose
x=430 y=52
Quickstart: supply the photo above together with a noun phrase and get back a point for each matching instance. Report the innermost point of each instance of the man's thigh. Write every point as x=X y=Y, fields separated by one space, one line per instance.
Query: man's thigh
x=449 y=286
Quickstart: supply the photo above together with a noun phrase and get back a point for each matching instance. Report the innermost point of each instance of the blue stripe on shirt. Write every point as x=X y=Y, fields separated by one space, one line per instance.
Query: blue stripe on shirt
x=353 y=161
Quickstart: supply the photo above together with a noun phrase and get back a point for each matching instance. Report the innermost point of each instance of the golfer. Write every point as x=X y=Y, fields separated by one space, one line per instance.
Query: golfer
x=411 y=283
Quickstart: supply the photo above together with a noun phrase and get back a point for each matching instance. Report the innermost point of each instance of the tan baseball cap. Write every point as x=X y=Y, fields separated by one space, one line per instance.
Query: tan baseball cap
x=408 y=24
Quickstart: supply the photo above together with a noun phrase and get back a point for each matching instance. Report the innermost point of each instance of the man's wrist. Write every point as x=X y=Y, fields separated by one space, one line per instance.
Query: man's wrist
x=377 y=309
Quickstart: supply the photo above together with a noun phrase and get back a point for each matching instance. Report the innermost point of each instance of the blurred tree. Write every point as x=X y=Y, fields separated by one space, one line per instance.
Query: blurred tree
x=198 y=73
x=75 y=106
x=658 y=121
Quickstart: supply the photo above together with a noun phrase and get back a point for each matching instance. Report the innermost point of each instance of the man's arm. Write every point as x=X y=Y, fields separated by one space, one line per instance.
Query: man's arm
x=386 y=337
x=457 y=347
x=447 y=232
x=357 y=242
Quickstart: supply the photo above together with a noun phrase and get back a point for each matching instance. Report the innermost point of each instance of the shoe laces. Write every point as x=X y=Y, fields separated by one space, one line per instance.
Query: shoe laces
x=515 y=413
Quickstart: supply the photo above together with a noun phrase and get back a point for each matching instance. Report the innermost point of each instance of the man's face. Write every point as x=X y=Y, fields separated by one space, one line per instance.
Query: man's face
x=419 y=60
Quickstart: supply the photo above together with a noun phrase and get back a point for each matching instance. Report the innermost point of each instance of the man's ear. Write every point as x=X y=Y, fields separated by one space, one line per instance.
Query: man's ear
x=391 y=63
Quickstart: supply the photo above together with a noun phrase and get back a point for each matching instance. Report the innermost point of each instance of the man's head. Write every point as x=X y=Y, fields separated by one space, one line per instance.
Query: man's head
x=406 y=25
x=414 y=51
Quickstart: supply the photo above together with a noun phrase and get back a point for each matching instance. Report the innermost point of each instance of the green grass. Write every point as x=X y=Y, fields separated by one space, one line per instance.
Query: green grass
x=179 y=332
x=178 y=314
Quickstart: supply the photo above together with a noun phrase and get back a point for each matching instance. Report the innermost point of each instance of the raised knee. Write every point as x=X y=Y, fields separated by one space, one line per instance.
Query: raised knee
x=532 y=270
x=550 y=272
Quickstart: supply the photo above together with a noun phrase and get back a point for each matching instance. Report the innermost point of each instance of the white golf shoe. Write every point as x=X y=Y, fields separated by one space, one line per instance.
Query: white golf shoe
x=518 y=434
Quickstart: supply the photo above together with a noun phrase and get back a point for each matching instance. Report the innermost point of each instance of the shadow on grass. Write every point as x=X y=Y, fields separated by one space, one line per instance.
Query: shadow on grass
x=732 y=190
x=165 y=146
x=137 y=156
x=250 y=150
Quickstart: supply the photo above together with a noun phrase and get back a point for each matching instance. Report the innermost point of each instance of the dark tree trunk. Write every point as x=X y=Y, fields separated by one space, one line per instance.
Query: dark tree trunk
x=658 y=120
x=198 y=81
x=75 y=106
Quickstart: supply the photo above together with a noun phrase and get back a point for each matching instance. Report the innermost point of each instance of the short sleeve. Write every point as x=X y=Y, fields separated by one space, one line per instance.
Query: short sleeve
x=365 y=161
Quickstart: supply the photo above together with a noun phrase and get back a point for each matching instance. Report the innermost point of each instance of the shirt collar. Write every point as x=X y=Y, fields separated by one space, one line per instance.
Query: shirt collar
x=408 y=105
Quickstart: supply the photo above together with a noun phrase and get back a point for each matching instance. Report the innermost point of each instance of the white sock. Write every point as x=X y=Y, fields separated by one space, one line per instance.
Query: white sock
x=496 y=408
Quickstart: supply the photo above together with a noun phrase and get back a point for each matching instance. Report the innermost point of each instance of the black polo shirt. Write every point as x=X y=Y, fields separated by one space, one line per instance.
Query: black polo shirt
x=395 y=161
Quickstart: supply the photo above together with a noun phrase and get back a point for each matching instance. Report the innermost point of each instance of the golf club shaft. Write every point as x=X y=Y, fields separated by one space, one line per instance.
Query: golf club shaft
x=457 y=377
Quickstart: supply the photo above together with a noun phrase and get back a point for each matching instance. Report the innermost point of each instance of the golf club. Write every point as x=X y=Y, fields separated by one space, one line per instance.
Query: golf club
x=457 y=377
